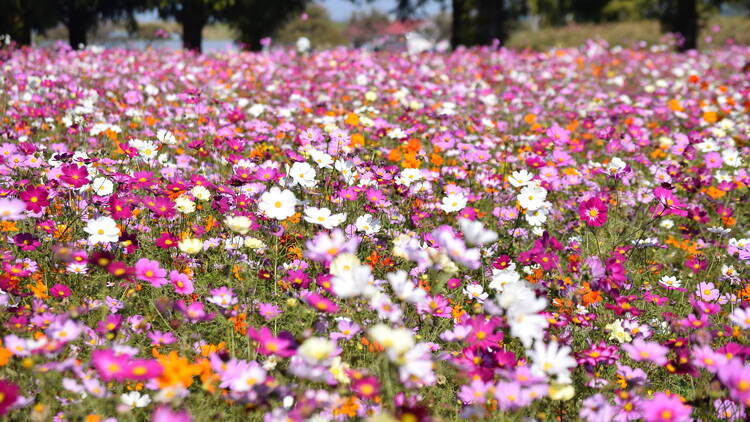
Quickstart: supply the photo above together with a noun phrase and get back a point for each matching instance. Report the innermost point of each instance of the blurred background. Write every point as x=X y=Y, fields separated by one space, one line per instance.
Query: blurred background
x=407 y=25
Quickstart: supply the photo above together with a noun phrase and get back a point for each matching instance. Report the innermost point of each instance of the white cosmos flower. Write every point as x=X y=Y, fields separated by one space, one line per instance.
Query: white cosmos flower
x=101 y=186
x=347 y=170
x=201 y=193
x=190 y=245
x=135 y=399
x=277 y=204
x=404 y=288
x=102 y=230
x=184 y=205
x=396 y=340
x=453 y=202
x=536 y=217
x=670 y=282
x=238 y=224
x=147 y=150
x=253 y=375
x=551 y=359
x=166 y=137
x=366 y=223
x=344 y=263
x=408 y=176
x=476 y=292
x=741 y=317
x=322 y=159
x=520 y=178
x=303 y=174
x=323 y=217
x=502 y=278
x=475 y=233
x=532 y=197
x=352 y=283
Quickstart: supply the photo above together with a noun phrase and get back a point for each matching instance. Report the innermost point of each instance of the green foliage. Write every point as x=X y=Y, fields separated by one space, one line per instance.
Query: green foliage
x=365 y=26
x=256 y=19
x=20 y=17
x=318 y=28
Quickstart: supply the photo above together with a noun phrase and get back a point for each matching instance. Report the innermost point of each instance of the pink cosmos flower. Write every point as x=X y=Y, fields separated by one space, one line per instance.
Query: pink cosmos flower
x=110 y=365
x=150 y=271
x=641 y=350
x=36 y=198
x=268 y=344
x=182 y=283
x=8 y=396
x=143 y=369
x=707 y=291
x=59 y=291
x=74 y=175
x=11 y=209
x=665 y=408
x=593 y=212
x=320 y=303
x=268 y=311
x=165 y=414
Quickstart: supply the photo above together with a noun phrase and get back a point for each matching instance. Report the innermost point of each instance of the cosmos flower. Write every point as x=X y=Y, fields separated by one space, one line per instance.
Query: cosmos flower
x=593 y=212
x=277 y=204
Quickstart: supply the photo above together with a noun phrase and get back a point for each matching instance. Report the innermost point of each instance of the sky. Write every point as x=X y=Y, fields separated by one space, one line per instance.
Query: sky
x=340 y=10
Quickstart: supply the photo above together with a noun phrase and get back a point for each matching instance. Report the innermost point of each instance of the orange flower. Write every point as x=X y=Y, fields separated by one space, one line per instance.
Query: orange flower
x=39 y=289
x=348 y=407
x=8 y=226
x=5 y=355
x=177 y=370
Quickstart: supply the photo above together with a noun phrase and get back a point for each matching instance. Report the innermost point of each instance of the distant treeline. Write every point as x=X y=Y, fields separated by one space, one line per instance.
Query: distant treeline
x=472 y=22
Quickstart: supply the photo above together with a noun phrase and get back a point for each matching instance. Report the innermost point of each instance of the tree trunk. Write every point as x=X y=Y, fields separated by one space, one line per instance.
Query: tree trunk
x=23 y=34
x=457 y=22
x=193 y=18
x=77 y=29
x=686 y=24
x=490 y=22
x=192 y=36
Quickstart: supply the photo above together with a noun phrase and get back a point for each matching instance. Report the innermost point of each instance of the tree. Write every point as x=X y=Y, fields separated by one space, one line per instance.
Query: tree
x=363 y=27
x=81 y=16
x=257 y=19
x=683 y=18
x=316 y=26
x=193 y=16
x=20 y=17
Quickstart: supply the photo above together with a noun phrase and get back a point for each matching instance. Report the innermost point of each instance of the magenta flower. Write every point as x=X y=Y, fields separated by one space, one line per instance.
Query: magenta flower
x=8 y=396
x=36 y=198
x=74 y=175
x=167 y=240
x=182 y=283
x=59 y=291
x=109 y=365
x=665 y=408
x=641 y=350
x=143 y=369
x=320 y=303
x=165 y=414
x=593 y=212
x=150 y=271
x=268 y=344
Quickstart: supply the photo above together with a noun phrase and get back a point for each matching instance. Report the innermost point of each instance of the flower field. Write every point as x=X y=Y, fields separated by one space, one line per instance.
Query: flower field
x=343 y=235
